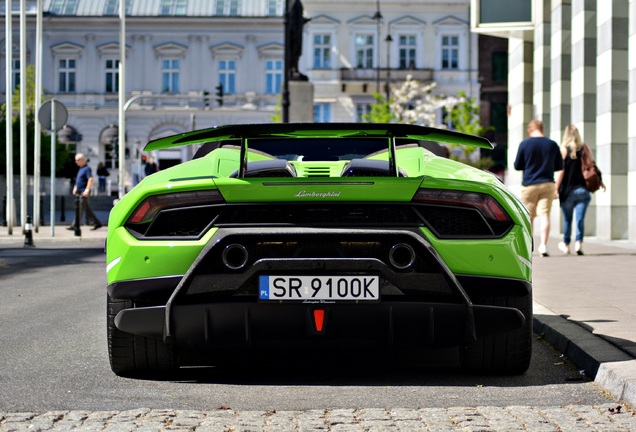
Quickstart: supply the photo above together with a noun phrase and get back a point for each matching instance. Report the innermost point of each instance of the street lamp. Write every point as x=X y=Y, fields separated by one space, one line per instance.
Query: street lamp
x=388 y=41
x=378 y=18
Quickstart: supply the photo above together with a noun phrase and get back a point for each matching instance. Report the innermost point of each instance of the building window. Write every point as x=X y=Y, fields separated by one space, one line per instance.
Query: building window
x=16 y=74
x=228 y=7
x=499 y=116
x=66 y=71
x=173 y=7
x=362 y=112
x=322 y=113
x=227 y=76
x=322 y=51
x=63 y=7
x=273 y=7
x=407 y=49
x=273 y=76
x=499 y=66
x=112 y=7
x=364 y=51
x=450 y=52
x=170 y=75
x=112 y=76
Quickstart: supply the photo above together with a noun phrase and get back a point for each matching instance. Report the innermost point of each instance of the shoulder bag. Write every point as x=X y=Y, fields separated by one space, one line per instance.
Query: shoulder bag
x=591 y=173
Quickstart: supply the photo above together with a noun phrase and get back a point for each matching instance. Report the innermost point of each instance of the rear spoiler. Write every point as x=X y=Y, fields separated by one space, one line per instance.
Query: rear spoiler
x=245 y=132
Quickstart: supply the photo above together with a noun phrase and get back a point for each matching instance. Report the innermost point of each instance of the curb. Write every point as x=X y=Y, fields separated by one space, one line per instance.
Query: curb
x=610 y=367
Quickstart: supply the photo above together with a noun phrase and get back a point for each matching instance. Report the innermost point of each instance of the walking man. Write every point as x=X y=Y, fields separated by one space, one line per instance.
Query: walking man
x=539 y=157
x=82 y=188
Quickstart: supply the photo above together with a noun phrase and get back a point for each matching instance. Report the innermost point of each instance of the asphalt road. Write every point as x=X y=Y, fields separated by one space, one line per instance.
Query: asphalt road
x=53 y=356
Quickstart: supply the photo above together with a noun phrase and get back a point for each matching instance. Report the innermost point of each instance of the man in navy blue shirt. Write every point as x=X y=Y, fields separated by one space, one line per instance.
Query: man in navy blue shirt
x=83 y=184
x=539 y=157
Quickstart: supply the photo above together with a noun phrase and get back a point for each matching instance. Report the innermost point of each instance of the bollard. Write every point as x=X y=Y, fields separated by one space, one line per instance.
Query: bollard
x=41 y=212
x=28 y=232
x=63 y=210
x=78 y=222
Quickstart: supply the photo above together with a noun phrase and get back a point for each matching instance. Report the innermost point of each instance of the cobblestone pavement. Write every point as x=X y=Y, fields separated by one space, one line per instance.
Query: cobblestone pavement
x=608 y=417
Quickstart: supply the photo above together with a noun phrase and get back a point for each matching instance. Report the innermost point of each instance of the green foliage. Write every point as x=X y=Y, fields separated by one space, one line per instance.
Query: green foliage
x=30 y=95
x=465 y=116
x=414 y=103
x=277 y=116
x=45 y=155
x=465 y=119
x=380 y=110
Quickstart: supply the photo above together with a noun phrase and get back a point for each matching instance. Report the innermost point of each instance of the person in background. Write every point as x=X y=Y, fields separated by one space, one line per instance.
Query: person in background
x=82 y=188
x=102 y=173
x=573 y=195
x=151 y=167
x=539 y=158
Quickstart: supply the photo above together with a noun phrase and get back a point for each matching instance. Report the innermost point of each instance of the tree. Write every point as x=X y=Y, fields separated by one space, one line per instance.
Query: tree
x=380 y=111
x=410 y=103
x=45 y=157
x=416 y=103
x=277 y=117
x=465 y=118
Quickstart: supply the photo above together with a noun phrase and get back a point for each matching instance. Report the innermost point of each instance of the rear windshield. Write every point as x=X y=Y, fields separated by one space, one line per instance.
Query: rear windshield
x=320 y=149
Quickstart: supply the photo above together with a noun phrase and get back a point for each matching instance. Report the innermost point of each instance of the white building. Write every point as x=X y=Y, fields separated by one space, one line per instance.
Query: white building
x=574 y=62
x=179 y=51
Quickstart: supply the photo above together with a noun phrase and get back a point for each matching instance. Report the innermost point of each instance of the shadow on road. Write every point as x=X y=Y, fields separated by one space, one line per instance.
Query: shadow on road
x=13 y=260
x=379 y=369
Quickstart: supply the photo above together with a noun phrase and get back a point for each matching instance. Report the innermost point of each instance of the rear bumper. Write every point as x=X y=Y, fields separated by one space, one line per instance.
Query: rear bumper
x=386 y=324
x=215 y=305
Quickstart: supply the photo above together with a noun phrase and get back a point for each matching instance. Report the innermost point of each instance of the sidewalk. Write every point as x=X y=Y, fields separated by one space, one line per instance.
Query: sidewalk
x=61 y=237
x=586 y=307
x=583 y=305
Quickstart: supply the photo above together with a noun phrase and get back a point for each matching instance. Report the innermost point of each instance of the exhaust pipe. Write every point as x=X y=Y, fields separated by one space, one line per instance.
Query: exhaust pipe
x=235 y=256
x=401 y=256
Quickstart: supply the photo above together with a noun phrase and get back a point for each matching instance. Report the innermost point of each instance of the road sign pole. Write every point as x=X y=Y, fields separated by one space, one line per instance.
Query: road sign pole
x=53 y=154
x=50 y=114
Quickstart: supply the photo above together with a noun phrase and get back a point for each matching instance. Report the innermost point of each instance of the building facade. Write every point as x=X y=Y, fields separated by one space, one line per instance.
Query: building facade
x=179 y=53
x=574 y=62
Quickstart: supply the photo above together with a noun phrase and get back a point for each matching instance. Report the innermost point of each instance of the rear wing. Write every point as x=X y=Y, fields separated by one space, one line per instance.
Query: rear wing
x=391 y=131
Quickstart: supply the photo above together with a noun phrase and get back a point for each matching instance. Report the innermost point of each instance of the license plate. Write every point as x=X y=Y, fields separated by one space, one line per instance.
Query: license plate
x=319 y=288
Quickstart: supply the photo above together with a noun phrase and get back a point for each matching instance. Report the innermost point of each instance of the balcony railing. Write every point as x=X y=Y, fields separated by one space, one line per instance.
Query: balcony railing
x=394 y=75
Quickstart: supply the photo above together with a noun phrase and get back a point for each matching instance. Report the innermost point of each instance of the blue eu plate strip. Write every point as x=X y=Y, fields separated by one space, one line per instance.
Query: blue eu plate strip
x=263 y=288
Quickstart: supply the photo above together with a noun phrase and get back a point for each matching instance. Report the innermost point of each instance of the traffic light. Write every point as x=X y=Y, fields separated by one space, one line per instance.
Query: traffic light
x=206 y=98
x=219 y=94
x=143 y=159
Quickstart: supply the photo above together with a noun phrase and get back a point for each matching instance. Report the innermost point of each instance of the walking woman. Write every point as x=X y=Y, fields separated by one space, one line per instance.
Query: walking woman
x=573 y=196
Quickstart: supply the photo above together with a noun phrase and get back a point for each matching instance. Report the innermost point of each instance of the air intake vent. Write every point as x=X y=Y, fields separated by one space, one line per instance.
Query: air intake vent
x=318 y=171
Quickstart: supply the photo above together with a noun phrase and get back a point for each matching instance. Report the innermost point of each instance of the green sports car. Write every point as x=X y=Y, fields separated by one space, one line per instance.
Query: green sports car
x=327 y=236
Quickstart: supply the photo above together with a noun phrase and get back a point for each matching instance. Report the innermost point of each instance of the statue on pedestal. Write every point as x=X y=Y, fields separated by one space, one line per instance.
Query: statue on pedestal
x=296 y=23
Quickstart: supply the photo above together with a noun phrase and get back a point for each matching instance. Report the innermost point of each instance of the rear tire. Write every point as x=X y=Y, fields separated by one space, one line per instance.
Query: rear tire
x=502 y=353
x=132 y=355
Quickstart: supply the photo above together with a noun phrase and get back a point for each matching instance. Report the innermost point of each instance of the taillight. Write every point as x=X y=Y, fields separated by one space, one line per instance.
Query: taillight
x=460 y=214
x=486 y=204
x=148 y=209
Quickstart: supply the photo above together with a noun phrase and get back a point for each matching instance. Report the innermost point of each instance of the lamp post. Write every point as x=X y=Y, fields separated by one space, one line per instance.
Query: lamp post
x=388 y=41
x=378 y=17
x=9 y=112
x=121 y=139
x=286 y=66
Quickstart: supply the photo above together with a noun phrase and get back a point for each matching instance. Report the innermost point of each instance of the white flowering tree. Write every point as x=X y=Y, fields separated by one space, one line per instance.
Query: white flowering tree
x=416 y=103
x=412 y=103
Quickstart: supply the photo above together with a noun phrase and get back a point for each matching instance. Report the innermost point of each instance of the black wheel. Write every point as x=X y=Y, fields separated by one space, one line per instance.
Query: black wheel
x=503 y=353
x=132 y=355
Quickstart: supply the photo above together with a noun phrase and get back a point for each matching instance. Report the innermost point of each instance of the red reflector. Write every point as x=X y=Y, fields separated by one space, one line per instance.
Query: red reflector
x=141 y=212
x=319 y=319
